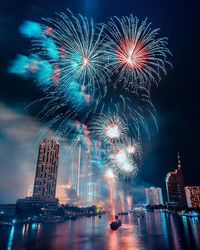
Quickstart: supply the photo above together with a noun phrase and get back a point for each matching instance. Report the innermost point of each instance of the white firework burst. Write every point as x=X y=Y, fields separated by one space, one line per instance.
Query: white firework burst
x=80 y=48
x=109 y=128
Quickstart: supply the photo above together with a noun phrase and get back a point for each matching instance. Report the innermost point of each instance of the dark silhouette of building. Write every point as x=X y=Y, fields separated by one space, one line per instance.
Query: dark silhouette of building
x=30 y=202
x=175 y=186
x=7 y=209
x=46 y=171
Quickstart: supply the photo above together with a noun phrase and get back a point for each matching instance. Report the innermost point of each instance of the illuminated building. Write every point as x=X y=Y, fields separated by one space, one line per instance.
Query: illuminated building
x=66 y=194
x=193 y=196
x=79 y=176
x=85 y=171
x=153 y=196
x=61 y=193
x=175 y=186
x=46 y=171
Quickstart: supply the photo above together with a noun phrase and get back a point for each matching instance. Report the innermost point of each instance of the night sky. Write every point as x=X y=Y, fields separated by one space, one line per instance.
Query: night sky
x=176 y=100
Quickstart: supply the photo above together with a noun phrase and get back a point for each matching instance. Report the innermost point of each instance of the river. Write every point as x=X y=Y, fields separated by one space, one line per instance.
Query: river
x=154 y=231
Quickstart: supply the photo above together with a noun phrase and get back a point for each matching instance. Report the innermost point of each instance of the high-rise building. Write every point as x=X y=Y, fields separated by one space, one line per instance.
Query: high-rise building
x=175 y=186
x=46 y=171
x=193 y=196
x=153 y=196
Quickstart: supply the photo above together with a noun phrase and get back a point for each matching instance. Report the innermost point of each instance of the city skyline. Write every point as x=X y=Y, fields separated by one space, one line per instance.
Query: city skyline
x=153 y=194
x=175 y=113
x=66 y=181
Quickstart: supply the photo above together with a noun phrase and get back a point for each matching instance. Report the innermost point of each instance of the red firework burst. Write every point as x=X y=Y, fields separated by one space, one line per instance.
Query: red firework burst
x=132 y=53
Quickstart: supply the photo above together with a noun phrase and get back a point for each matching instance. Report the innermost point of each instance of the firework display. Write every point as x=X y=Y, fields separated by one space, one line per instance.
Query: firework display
x=137 y=56
x=101 y=74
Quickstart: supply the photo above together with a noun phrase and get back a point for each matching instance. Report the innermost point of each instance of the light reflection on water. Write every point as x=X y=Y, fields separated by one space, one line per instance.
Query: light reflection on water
x=195 y=230
x=10 y=240
x=164 y=218
x=175 y=233
x=186 y=230
x=154 y=231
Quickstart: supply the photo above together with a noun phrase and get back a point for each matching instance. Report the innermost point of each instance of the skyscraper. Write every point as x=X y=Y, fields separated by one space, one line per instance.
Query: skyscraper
x=193 y=196
x=175 y=186
x=46 y=171
x=154 y=196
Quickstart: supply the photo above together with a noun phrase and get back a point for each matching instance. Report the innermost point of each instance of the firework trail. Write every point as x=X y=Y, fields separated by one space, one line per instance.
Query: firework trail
x=136 y=54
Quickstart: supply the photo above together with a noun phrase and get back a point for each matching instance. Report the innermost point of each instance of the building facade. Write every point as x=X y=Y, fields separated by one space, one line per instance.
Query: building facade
x=154 y=196
x=193 y=196
x=175 y=186
x=47 y=170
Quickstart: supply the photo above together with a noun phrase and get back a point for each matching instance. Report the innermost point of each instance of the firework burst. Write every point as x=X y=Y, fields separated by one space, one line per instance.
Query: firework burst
x=80 y=52
x=136 y=54
x=129 y=148
x=123 y=163
x=128 y=169
x=135 y=108
x=133 y=148
x=108 y=128
x=73 y=48
x=125 y=157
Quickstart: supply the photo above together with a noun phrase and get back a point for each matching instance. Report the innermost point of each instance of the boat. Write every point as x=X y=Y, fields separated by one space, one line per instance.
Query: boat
x=115 y=224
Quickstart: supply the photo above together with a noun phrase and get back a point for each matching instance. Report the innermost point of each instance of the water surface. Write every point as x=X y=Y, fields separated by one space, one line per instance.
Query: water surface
x=154 y=231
